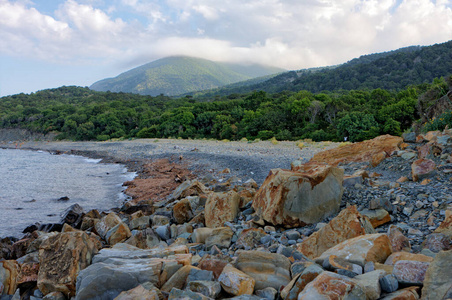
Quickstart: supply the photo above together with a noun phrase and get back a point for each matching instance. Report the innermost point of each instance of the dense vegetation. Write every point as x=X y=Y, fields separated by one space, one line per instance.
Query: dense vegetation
x=394 y=70
x=179 y=75
x=82 y=114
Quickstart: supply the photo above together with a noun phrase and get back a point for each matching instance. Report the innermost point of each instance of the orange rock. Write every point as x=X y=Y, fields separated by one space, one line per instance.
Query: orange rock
x=28 y=273
x=9 y=270
x=330 y=285
x=221 y=208
x=409 y=293
x=422 y=168
x=396 y=256
x=402 y=179
x=360 y=250
x=296 y=198
x=377 y=217
x=425 y=181
x=235 y=282
x=367 y=151
x=432 y=135
x=182 y=211
x=446 y=227
x=348 y=224
x=214 y=264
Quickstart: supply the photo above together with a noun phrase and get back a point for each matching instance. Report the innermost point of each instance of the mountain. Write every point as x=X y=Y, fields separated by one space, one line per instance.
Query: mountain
x=180 y=74
x=392 y=70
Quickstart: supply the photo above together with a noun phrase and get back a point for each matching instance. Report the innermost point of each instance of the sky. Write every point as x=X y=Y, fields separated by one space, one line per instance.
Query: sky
x=50 y=43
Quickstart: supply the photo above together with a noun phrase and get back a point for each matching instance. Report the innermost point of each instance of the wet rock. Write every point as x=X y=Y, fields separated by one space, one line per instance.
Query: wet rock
x=61 y=258
x=359 y=250
x=268 y=269
x=377 y=217
x=221 y=208
x=422 y=168
x=330 y=285
x=348 y=224
x=220 y=237
x=236 y=282
x=299 y=282
x=410 y=272
x=208 y=288
x=300 y=197
x=9 y=270
x=438 y=278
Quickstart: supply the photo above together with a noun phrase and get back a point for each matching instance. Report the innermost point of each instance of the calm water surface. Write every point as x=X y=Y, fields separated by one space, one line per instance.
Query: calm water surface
x=31 y=182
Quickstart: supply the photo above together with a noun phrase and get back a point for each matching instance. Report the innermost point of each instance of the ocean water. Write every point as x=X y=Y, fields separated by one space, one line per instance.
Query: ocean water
x=32 y=182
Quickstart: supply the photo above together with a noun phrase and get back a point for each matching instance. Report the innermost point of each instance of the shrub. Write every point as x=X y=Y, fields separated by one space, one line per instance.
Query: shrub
x=102 y=137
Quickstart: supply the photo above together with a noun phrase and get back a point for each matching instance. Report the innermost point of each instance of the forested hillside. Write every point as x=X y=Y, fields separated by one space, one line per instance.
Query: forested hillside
x=82 y=114
x=394 y=70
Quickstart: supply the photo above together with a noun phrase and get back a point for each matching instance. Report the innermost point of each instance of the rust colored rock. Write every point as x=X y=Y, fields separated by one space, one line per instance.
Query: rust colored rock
x=410 y=272
x=182 y=211
x=330 y=285
x=118 y=234
x=438 y=278
x=28 y=273
x=61 y=258
x=377 y=217
x=360 y=152
x=399 y=242
x=221 y=208
x=249 y=238
x=236 y=282
x=9 y=270
x=422 y=168
x=396 y=256
x=214 y=264
x=268 y=269
x=409 y=293
x=445 y=227
x=297 y=198
x=362 y=249
x=348 y=224
x=140 y=293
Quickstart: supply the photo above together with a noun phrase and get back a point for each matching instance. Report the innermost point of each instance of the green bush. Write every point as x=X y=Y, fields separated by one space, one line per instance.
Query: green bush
x=440 y=122
x=265 y=134
x=102 y=137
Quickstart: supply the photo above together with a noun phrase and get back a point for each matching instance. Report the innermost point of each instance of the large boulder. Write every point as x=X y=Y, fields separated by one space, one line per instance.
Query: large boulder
x=61 y=258
x=362 y=249
x=299 y=282
x=297 y=198
x=438 y=278
x=330 y=285
x=268 y=269
x=348 y=224
x=373 y=151
x=221 y=208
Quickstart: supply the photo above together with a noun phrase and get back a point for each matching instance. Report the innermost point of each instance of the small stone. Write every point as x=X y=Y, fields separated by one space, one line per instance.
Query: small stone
x=389 y=283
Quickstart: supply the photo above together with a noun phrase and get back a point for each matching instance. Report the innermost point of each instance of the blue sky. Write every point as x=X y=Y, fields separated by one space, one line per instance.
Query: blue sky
x=50 y=43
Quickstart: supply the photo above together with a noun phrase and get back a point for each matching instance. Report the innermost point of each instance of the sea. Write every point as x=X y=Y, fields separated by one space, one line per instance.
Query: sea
x=33 y=185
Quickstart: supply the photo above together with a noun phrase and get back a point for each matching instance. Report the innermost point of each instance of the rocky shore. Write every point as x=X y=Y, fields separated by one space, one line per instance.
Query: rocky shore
x=370 y=220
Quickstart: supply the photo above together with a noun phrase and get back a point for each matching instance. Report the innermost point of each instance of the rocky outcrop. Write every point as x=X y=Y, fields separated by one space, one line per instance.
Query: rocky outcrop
x=300 y=197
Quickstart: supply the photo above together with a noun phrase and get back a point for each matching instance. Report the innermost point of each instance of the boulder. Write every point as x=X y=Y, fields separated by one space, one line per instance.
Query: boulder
x=143 y=239
x=139 y=292
x=299 y=282
x=221 y=208
x=438 y=278
x=362 y=249
x=182 y=211
x=220 y=237
x=201 y=234
x=73 y=216
x=177 y=294
x=214 y=264
x=377 y=217
x=330 y=285
x=422 y=168
x=445 y=227
x=410 y=272
x=178 y=279
x=139 y=223
x=208 y=288
x=299 y=197
x=112 y=229
x=367 y=151
x=436 y=242
x=189 y=188
x=61 y=258
x=409 y=293
x=236 y=282
x=396 y=256
x=399 y=242
x=268 y=269
x=348 y=224
x=9 y=271
x=370 y=283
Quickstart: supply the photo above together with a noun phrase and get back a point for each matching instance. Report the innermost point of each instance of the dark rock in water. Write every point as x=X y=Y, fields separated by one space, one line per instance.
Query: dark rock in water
x=49 y=227
x=18 y=208
x=73 y=216
x=30 y=229
x=65 y=198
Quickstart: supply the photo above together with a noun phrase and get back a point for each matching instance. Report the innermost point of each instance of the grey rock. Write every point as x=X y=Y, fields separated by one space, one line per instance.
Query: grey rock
x=389 y=283
x=409 y=137
x=208 y=288
x=199 y=275
x=267 y=293
x=180 y=294
x=163 y=232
